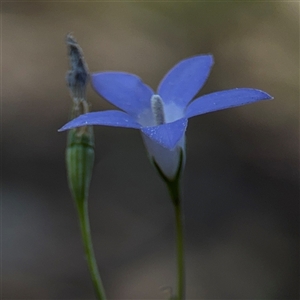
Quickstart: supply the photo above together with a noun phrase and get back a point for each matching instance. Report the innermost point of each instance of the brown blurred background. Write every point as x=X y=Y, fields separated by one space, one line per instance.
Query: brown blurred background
x=241 y=187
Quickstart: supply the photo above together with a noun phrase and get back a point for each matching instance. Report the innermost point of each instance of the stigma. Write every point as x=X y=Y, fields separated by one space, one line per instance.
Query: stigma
x=157 y=107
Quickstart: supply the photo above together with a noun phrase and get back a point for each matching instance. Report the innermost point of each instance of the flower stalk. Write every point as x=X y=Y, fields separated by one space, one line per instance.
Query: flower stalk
x=173 y=186
x=80 y=160
x=180 y=252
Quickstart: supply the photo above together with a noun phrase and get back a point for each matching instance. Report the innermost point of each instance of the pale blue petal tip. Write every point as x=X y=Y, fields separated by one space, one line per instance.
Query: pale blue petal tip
x=113 y=118
x=185 y=79
x=125 y=91
x=225 y=99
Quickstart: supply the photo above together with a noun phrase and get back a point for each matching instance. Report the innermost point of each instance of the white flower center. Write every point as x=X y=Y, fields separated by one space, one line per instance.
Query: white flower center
x=157 y=107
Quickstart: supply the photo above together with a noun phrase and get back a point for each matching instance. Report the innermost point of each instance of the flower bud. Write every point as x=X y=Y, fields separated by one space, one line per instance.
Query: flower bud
x=80 y=152
x=80 y=156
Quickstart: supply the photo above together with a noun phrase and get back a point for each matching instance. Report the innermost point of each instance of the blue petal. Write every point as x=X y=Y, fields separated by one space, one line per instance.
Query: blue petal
x=225 y=99
x=184 y=81
x=126 y=91
x=109 y=118
x=167 y=135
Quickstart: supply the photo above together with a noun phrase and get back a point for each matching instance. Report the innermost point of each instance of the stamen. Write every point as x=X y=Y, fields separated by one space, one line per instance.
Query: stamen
x=158 y=109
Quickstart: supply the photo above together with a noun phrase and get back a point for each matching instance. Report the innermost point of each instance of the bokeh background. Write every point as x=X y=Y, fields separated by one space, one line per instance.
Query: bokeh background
x=241 y=184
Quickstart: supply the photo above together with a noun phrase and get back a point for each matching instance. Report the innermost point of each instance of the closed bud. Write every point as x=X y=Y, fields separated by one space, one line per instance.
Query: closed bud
x=80 y=156
x=80 y=153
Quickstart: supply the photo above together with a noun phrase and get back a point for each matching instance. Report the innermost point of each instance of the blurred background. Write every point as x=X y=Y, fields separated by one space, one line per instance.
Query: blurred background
x=241 y=183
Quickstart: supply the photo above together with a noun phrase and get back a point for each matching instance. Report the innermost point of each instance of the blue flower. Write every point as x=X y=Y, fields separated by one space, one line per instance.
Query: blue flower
x=162 y=117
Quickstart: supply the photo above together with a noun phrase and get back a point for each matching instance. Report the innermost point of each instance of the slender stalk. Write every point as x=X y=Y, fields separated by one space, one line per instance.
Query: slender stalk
x=88 y=249
x=175 y=194
x=173 y=187
x=180 y=253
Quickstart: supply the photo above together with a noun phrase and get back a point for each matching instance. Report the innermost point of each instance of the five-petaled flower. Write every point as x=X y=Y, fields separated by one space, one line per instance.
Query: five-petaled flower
x=162 y=117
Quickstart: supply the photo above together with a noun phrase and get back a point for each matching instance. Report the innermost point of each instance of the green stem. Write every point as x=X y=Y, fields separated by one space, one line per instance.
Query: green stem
x=174 y=191
x=180 y=253
x=175 y=194
x=88 y=248
x=173 y=187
